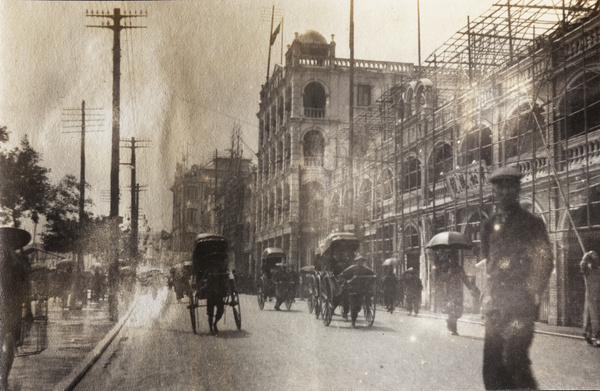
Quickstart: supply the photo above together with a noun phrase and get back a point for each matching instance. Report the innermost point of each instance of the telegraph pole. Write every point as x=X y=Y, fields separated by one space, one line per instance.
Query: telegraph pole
x=114 y=23
x=351 y=117
x=71 y=120
x=133 y=244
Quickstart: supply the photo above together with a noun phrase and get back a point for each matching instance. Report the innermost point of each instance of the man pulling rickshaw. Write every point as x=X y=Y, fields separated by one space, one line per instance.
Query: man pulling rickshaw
x=211 y=280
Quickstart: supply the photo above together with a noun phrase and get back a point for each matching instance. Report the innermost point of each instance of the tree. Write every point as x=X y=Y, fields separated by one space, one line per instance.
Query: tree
x=64 y=232
x=23 y=184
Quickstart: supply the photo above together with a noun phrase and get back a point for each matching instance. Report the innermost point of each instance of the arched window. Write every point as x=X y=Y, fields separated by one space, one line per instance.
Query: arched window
x=521 y=133
x=386 y=184
x=478 y=146
x=411 y=239
x=412 y=174
x=442 y=161
x=314 y=148
x=314 y=100
x=583 y=104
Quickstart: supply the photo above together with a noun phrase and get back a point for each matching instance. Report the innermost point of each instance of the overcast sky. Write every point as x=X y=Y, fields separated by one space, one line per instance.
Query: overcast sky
x=187 y=79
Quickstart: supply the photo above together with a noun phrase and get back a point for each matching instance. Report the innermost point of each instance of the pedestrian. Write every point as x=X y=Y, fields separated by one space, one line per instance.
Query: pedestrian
x=14 y=284
x=451 y=278
x=519 y=262
x=590 y=267
x=389 y=286
x=412 y=290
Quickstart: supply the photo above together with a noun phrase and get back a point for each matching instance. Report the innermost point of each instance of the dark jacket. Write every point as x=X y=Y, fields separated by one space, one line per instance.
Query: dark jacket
x=519 y=260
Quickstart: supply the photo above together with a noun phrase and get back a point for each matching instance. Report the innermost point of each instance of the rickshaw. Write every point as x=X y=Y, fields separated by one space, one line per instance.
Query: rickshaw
x=276 y=280
x=211 y=283
x=359 y=291
x=314 y=280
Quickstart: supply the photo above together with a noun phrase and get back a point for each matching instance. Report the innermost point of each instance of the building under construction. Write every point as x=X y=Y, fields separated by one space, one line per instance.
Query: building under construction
x=518 y=85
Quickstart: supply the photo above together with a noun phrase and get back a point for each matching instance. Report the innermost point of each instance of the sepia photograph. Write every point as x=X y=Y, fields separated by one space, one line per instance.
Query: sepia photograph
x=223 y=195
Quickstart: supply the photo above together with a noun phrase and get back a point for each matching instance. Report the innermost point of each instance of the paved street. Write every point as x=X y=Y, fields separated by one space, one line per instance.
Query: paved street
x=71 y=335
x=156 y=350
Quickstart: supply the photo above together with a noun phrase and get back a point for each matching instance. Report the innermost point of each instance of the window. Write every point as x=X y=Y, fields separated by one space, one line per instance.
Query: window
x=192 y=216
x=521 y=134
x=442 y=162
x=363 y=95
x=192 y=193
x=583 y=104
x=478 y=146
x=314 y=101
x=314 y=148
x=412 y=174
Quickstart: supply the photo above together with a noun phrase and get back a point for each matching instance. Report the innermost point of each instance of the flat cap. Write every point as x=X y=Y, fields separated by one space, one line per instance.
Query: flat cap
x=509 y=173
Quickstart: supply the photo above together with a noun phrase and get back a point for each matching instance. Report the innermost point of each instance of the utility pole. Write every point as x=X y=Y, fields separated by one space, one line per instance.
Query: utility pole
x=114 y=23
x=133 y=243
x=71 y=120
x=351 y=116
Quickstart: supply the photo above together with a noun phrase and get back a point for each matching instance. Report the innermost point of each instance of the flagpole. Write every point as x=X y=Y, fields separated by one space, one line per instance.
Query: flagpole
x=282 y=40
x=270 y=44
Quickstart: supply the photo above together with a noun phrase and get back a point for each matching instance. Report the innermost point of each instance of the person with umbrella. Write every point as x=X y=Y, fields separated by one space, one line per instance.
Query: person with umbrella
x=519 y=257
x=450 y=275
x=450 y=279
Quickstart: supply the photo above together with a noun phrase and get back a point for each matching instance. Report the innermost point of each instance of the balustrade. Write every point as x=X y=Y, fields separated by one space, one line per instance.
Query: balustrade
x=310 y=112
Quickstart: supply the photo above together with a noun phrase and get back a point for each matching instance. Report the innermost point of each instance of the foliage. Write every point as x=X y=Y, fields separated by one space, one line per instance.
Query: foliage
x=23 y=184
x=63 y=231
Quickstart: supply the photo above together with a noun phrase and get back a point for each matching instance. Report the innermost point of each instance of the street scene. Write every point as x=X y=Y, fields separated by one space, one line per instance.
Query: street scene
x=349 y=195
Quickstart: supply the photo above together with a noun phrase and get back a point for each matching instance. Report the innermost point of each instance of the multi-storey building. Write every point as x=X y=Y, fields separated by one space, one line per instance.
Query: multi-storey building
x=193 y=204
x=303 y=142
x=525 y=93
x=213 y=198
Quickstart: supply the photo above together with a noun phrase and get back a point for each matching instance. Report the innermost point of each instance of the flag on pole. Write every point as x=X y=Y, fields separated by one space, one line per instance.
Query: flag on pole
x=274 y=35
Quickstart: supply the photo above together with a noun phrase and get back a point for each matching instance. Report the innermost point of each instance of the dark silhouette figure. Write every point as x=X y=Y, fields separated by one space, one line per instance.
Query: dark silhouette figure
x=389 y=287
x=14 y=291
x=451 y=278
x=412 y=290
x=590 y=268
x=519 y=261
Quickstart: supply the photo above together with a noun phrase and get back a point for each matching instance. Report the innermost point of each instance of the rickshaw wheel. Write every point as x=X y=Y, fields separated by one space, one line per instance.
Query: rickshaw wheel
x=327 y=309
x=261 y=299
x=193 y=306
x=318 y=306
x=369 y=309
x=237 y=311
x=327 y=312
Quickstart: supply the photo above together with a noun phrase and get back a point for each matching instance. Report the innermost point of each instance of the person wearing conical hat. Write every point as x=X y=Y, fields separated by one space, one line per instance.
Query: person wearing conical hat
x=14 y=283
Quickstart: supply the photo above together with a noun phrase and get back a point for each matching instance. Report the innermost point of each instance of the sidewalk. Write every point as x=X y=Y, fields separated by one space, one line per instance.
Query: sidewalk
x=72 y=335
x=540 y=327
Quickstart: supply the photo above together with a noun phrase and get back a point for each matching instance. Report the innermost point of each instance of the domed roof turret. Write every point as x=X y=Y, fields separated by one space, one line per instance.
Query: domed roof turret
x=311 y=36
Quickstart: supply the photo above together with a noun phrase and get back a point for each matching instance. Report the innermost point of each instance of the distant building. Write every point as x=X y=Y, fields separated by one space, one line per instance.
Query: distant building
x=214 y=198
x=303 y=142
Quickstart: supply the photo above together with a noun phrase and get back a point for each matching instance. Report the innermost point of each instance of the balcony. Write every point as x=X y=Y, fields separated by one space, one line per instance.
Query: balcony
x=314 y=113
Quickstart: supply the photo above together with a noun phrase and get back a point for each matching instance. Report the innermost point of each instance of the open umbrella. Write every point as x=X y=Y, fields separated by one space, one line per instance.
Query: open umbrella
x=390 y=262
x=451 y=240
